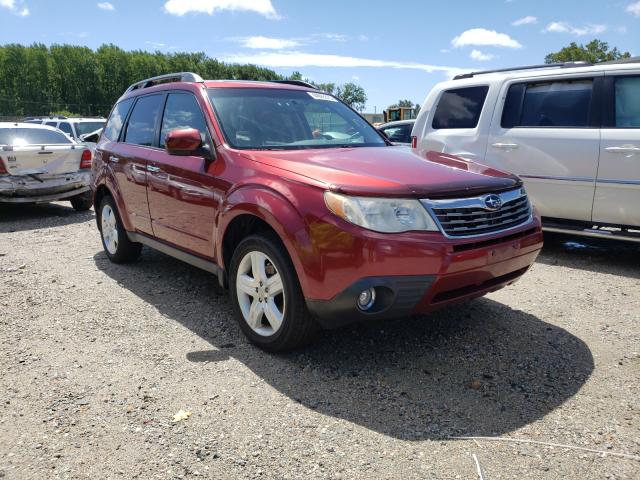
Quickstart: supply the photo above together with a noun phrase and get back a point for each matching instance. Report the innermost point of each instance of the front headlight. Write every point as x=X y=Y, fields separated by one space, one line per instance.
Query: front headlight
x=387 y=215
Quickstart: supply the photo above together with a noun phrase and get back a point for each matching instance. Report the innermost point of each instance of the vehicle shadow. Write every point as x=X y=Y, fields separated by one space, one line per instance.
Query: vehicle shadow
x=38 y=216
x=592 y=254
x=480 y=368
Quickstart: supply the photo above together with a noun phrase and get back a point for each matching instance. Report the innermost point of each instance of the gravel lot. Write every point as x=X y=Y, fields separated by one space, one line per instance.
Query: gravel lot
x=97 y=358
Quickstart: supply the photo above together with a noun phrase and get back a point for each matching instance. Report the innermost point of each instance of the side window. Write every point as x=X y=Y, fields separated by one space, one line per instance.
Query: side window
x=142 y=122
x=548 y=104
x=66 y=128
x=116 y=120
x=51 y=124
x=182 y=111
x=400 y=134
x=627 y=94
x=460 y=108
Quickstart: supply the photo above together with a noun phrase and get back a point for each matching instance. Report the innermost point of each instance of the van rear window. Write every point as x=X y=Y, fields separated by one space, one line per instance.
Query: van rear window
x=460 y=108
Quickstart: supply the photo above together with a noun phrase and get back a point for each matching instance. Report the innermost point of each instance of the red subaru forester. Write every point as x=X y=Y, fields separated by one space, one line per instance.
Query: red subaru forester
x=308 y=214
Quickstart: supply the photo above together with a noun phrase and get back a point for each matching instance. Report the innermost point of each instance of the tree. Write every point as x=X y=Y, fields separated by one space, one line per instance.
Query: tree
x=353 y=95
x=593 y=52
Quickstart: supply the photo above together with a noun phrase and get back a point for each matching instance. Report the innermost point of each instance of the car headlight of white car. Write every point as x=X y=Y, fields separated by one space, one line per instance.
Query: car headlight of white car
x=386 y=215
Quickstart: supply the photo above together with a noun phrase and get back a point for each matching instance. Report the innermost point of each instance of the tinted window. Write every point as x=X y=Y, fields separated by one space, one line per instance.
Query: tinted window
x=556 y=104
x=31 y=136
x=628 y=102
x=66 y=128
x=142 y=121
x=82 y=128
x=51 y=124
x=116 y=120
x=399 y=133
x=182 y=111
x=460 y=108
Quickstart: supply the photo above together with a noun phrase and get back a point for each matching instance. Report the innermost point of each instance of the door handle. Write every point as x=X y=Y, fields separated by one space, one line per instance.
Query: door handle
x=114 y=159
x=505 y=146
x=151 y=168
x=624 y=149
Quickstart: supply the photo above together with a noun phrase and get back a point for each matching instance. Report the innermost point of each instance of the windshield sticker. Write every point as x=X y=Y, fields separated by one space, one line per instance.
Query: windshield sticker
x=322 y=96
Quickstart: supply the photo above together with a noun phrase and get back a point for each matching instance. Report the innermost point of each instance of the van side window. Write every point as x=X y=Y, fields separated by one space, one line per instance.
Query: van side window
x=66 y=128
x=548 y=104
x=116 y=120
x=460 y=108
x=141 y=126
x=627 y=93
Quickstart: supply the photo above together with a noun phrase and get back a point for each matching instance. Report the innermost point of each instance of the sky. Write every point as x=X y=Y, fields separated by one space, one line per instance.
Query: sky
x=394 y=50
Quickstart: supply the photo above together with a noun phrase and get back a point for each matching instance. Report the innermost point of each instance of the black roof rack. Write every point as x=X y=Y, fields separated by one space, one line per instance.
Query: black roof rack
x=621 y=60
x=298 y=83
x=169 y=77
x=528 y=67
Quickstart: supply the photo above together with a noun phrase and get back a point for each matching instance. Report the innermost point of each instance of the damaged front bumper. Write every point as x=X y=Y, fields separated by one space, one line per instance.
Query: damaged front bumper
x=42 y=188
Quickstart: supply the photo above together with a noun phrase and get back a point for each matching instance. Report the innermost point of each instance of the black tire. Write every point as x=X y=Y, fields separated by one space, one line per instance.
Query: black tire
x=125 y=250
x=298 y=327
x=82 y=202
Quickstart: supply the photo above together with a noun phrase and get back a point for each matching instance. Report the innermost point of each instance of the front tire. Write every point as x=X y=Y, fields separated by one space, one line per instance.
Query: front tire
x=82 y=202
x=115 y=241
x=266 y=296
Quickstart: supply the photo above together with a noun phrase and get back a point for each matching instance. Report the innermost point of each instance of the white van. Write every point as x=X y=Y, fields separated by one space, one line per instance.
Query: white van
x=570 y=131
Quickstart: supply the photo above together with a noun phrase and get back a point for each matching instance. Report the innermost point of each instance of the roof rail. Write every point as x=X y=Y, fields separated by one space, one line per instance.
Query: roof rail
x=169 y=77
x=299 y=83
x=528 y=67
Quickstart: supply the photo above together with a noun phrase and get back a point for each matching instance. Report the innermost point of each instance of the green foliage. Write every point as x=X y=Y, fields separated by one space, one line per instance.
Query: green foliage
x=41 y=80
x=593 y=52
x=353 y=95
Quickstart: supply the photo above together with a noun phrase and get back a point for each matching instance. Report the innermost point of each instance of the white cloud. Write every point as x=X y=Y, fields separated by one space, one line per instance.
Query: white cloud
x=336 y=37
x=16 y=7
x=528 y=20
x=269 y=43
x=363 y=38
x=565 y=27
x=182 y=7
x=481 y=57
x=301 y=59
x=106 y=6
x=634 y=8
x=482 y=36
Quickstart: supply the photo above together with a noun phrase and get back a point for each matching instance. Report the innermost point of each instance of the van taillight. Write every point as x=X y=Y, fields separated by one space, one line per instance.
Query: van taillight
x=3 y=169
x=414 y=142
x=85 y=160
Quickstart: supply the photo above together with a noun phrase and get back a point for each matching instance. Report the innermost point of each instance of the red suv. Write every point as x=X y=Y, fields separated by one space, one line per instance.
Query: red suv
x=308 y=214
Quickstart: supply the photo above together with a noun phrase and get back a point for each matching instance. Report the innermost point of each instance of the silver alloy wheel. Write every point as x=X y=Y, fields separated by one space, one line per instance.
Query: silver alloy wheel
x=109 y=228
x=260 y=293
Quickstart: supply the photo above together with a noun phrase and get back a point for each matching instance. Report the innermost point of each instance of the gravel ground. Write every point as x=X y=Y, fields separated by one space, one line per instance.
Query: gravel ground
x=97 y=359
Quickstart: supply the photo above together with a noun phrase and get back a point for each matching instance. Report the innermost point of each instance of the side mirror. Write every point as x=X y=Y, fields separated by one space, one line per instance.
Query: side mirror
x=183 y=141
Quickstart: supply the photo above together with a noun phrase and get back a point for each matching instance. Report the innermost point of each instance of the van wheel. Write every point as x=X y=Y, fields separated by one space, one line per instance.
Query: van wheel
x=266 y=296
x=115 y=241
x=82 y=202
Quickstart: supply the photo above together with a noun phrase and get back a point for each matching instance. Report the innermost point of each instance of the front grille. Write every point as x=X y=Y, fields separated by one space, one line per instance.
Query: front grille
x=470 y=216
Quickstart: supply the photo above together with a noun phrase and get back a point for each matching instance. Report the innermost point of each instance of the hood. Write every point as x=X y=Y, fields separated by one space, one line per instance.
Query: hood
x=389 y=171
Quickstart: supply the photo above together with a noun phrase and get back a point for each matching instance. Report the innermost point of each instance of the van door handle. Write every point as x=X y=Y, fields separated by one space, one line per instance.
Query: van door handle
x=151 y=168
x=624 y=149
x=114 y=159
x=505 y=146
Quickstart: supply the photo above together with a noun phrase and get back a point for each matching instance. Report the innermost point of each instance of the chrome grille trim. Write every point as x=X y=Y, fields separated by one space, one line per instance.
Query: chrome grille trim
x=469 y=217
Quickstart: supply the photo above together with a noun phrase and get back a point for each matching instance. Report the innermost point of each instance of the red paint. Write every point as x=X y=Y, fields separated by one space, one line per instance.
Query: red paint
x=190 y=201
x=183 y=141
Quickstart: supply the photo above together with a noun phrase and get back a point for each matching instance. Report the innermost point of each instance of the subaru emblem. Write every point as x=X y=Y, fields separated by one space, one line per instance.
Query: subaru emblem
x=492 y=202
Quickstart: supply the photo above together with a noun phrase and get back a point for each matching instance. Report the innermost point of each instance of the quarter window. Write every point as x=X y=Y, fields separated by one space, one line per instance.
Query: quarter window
x=627 y=93
x=66 y=128
x=143 y=120
x=460 y=108
x=182 y=111
x=116 y=120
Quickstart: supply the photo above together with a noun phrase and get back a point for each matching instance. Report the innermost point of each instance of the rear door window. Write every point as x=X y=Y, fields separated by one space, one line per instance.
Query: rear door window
x=141 y=126
x=560 y=104
x=627 y=95
x=116 y=120
x=182 y=111
x=460 y=108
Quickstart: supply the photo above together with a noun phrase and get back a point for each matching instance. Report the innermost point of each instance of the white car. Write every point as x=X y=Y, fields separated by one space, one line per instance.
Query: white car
x=41 y=164
x=570 y=131
x=77 y=128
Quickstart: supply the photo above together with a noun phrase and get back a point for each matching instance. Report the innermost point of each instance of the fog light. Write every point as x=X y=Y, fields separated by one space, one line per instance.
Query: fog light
x=366 y=299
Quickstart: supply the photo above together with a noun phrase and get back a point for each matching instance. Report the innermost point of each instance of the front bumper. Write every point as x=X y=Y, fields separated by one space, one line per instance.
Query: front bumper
x=451 y=272
x=24 y=189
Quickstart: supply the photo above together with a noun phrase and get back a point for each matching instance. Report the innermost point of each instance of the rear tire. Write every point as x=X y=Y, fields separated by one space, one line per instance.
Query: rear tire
x=115 y=241
x=82 y=202
x=276 y=320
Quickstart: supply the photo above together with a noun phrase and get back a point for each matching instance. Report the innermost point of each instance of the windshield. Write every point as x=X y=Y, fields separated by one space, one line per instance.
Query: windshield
x=19 y=137
x=274 y=119
x=82 y=128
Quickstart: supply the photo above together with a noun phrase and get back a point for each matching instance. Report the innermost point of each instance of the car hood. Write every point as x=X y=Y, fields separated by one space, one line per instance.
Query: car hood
x=389 y=171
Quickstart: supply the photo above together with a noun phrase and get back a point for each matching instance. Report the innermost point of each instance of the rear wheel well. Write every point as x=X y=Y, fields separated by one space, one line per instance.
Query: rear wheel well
x=101 y=192
x=241 y=227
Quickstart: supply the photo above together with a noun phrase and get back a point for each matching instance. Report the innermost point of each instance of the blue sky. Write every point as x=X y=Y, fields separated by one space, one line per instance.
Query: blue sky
x=395 y=50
